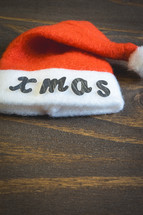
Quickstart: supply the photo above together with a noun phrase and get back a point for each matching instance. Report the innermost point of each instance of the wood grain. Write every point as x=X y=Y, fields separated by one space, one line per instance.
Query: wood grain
x=78 y=131
x=27 y=20
x=130 y=3
x=80 y=165
x=44 y=184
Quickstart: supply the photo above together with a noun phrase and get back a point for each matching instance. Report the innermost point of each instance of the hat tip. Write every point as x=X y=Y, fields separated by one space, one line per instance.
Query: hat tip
x=135 y=61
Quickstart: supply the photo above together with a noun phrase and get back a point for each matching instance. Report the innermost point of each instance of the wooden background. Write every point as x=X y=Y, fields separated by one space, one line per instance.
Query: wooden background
x=82 y=165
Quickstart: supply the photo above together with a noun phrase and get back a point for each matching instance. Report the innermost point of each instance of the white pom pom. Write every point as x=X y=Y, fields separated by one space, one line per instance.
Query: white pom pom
x=135 y=62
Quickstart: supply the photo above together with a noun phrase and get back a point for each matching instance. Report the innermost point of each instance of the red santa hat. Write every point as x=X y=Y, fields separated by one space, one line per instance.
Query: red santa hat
x=60 y=70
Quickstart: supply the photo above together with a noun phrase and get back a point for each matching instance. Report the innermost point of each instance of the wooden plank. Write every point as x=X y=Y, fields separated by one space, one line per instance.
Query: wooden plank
x=79 y=131
x=80 y=165
x=23 y=185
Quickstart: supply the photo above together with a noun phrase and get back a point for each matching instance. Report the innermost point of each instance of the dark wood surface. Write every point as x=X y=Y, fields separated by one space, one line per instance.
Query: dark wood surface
x=83 y=165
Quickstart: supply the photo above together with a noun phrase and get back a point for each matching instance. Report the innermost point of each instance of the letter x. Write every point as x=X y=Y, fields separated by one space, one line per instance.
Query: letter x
x=24 y=80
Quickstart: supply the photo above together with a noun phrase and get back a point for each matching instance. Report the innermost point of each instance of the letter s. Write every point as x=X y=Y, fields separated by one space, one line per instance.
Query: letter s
x=100 y=84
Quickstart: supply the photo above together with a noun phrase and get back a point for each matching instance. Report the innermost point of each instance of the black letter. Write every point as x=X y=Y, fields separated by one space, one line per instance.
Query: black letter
x=84 y=87
x=103 y=88
x=22 y=85
x=52 y=84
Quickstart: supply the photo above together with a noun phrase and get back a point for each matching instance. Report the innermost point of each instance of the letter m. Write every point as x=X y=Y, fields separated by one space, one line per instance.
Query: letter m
x=51 y=85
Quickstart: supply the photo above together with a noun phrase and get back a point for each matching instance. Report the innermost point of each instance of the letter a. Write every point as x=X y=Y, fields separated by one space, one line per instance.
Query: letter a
x=84 y=87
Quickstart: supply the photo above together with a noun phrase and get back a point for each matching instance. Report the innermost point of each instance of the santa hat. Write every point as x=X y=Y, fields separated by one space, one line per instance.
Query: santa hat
x=60 y=70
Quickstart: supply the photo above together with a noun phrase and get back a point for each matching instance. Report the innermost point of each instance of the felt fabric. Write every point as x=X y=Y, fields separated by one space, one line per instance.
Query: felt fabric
x=60 y=70
x=67 y=102
x=135 y=62
x=35 y=48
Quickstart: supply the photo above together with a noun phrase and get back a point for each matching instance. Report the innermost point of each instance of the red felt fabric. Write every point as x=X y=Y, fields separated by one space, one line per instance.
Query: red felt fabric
x=75 y=45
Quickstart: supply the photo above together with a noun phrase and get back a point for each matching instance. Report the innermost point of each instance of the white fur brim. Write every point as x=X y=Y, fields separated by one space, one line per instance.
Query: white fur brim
x=59 y=104
x=135 y=62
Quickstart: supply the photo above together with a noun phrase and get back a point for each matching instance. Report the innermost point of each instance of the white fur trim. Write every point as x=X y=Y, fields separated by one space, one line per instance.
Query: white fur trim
x=135 y=62
x=58 y=104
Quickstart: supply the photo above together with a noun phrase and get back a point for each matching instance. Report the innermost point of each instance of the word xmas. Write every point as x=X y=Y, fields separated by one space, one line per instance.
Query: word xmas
x=50 y=85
